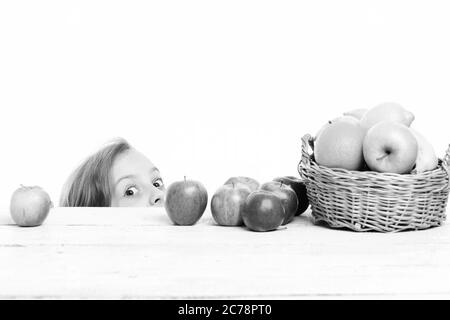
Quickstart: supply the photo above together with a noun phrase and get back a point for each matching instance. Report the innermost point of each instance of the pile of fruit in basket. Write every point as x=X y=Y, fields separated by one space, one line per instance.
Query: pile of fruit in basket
x=379 y=139
x=241 y=201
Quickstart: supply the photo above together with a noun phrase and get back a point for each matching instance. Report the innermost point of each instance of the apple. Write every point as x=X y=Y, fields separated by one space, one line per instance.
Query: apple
x=287 y=196
x=185 y=202
x=390 y=147
x=30 y=206
x=299 y=188
x=250 y=182
x=263 y=211
x=227 y=204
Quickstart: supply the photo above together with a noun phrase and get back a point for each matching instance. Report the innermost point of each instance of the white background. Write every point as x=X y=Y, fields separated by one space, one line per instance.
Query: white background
x=207 y=89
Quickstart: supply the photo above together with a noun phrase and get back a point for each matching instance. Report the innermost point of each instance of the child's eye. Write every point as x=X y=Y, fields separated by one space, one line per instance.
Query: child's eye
x=131 y=191
x=158 y=183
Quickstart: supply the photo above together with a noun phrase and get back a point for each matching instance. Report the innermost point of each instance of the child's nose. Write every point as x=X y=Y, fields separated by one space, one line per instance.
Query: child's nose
x=157 y=199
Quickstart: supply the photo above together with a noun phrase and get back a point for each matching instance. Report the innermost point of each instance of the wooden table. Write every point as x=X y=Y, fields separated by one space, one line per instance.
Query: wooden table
x=116 y=253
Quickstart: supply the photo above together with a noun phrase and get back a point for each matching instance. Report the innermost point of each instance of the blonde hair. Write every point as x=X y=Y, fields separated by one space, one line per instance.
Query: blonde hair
x=88 y=185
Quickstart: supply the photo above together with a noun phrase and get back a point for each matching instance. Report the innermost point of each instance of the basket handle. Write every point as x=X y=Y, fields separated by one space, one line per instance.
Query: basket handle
x=307 y=140
x=446 y=165
x=446 y=160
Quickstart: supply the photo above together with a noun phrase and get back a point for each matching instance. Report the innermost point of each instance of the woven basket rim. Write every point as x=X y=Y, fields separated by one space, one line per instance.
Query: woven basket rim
x=362 y=174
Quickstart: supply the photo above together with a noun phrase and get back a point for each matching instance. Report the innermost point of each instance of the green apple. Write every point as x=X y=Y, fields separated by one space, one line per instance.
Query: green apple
x=390 y=147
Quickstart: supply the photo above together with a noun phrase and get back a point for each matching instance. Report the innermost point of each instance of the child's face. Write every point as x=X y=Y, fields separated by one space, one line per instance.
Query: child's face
x=135 y=181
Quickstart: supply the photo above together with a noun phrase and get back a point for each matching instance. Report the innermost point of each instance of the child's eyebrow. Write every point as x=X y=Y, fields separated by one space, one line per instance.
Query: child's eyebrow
x=125 y=177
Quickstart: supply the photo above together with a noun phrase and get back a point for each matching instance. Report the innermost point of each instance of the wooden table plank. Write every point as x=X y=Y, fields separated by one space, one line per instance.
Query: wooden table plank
x=137 y=253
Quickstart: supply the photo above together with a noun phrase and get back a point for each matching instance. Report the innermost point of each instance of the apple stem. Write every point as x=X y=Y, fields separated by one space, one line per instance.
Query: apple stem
x=382 y=157
x=233 y=184
x=281 y=184
x=184 y=179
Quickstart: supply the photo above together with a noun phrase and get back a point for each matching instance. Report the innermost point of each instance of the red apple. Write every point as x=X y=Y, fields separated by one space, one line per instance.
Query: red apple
x=390 y=147
x=250 y=182
x=299 y=188
x=263 y=211
x=30 y=206
x=287 y=196
x=228 y=203
x=185 y=202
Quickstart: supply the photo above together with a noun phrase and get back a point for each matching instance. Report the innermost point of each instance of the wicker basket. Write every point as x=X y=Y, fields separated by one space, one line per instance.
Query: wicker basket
x=373 y=201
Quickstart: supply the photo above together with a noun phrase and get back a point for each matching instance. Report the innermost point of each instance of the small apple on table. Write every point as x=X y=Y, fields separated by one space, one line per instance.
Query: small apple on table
x=299 y=188
x=186 y=202
x=30 y=206
x=228 y=202
x=287 y=196
x=263 y=211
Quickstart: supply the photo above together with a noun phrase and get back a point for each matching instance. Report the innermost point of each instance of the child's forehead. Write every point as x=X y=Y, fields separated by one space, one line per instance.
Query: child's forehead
x=132 y=162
